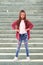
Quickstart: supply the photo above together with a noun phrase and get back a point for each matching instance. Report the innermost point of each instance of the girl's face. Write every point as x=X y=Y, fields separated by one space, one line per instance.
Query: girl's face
x=22 y=15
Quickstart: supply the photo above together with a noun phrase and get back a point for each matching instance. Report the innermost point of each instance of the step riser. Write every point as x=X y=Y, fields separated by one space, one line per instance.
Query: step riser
x=15 y=45
x=21 y=51
x=21 y=57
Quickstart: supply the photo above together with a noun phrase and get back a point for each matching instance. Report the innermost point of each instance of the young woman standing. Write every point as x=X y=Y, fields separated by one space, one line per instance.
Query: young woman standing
x=22 y=27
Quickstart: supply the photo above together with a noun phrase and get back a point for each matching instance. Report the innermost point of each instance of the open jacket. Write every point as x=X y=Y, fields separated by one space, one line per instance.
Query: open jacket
x=29 y=25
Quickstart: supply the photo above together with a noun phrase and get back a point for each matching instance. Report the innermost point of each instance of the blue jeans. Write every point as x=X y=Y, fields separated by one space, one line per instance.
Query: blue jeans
x=23 y=37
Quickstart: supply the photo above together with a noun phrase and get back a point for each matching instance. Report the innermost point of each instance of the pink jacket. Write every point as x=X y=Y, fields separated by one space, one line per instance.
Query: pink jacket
x=29 y=25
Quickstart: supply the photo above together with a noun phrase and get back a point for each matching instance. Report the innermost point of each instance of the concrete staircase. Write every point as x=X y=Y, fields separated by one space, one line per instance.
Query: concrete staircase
x=9 y=10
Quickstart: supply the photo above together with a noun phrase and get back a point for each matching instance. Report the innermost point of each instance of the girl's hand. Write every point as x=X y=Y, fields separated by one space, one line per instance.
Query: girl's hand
x=17 y=30
x=27 y=29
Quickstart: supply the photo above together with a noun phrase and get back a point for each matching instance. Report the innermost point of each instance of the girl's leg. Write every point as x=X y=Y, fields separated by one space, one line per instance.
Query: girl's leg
x=18 y=47
x=27 y=50
x=26 y=44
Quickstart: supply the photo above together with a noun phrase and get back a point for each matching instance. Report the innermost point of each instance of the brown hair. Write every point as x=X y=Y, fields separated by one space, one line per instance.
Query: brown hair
x=20 y=18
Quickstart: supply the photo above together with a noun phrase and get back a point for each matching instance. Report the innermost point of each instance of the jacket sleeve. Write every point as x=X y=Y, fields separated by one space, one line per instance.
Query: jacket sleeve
x=30 y=25
x=14 y=24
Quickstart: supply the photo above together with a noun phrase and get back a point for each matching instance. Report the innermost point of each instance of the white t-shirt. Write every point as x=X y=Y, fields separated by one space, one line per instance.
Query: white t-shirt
x=22 y=27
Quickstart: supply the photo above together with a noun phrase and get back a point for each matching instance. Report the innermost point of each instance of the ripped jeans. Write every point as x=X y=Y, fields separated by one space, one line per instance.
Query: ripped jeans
x=23 y=37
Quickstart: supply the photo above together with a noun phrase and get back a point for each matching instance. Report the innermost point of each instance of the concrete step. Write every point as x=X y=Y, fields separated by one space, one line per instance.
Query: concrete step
x=21 y=2
x=37 y=27
x=26 y=6
x=23 y=56
x=14 y=35
x=12 y=62
x=8 y=28
x=15 y=45
x=18 y=1
x=9 y=23
x=29 y=13
x=8 y=40
x=22 y=50
x=15 y=31
x=29 y=16
x=16 y=40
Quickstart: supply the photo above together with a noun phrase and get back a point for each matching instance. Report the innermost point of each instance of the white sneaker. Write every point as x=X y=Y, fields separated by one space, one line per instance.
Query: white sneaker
x=28 y=58
x=15 y=59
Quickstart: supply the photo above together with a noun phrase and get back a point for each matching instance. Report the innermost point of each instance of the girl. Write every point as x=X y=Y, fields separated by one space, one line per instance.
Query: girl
x=22 y=27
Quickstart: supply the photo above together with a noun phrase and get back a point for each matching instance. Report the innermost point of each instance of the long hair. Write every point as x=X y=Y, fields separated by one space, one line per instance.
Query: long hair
x=19 y=20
